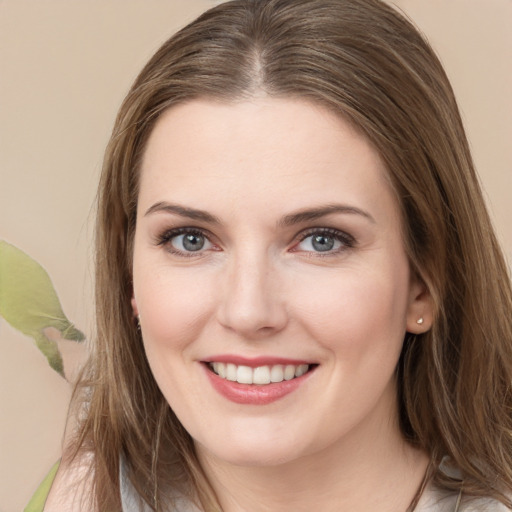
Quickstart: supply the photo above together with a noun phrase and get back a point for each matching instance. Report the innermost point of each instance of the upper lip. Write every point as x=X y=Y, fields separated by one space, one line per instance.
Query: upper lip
x=254 y=362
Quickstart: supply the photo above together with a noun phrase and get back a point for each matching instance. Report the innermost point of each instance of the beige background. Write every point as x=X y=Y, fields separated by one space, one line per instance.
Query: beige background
x=64 y=68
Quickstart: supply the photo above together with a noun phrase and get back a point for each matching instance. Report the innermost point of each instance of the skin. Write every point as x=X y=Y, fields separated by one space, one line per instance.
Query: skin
x=259 y=287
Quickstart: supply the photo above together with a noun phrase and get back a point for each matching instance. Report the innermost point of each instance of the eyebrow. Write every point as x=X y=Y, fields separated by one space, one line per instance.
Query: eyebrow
x=322 y=211
x=183 y=211
x=292 y=219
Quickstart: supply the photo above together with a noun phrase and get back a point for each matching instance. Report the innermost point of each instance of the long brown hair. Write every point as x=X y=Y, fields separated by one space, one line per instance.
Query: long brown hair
x=364 y=61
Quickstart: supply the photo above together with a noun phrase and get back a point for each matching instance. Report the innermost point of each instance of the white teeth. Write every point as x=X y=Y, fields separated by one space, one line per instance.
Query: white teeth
x=277 y=373
x=244 y=375
x=221 y=370
x=289 y=372
x=260 y=375
x=301 y=370
x=231 y=372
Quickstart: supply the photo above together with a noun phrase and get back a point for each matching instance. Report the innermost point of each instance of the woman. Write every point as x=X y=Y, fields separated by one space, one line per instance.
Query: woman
x=301 y=304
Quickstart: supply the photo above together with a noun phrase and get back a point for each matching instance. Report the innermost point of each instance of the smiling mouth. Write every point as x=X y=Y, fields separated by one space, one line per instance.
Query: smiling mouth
x=260 y=375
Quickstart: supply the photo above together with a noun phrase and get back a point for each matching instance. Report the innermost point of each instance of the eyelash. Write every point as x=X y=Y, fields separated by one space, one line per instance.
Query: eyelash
x=347 y=241
x=166 y=237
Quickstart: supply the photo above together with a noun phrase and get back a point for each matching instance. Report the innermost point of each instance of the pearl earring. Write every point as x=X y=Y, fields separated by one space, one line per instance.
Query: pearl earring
x=420 y=321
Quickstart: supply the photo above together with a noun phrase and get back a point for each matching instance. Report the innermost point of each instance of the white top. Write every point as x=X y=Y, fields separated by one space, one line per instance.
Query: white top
x=432 y=500
x=131 y=501
x=437 y=500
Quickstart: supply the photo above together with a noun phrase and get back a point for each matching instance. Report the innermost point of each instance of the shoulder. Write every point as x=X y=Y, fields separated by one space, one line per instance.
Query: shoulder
x=131 y=501
x=71 y=488
x=439 y=500
x=482 y=505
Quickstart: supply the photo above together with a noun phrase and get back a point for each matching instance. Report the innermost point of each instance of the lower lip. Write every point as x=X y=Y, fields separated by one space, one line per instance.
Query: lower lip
x=254 y=394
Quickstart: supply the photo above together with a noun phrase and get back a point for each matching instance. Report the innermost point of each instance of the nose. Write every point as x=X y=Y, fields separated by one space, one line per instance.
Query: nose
x=252 y=299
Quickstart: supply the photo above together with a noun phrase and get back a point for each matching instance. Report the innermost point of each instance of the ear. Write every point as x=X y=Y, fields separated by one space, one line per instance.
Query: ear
x=135 y=309
x=420 y=313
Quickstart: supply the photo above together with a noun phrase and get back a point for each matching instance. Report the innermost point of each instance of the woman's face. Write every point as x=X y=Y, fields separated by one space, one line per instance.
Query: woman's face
x=268 y=244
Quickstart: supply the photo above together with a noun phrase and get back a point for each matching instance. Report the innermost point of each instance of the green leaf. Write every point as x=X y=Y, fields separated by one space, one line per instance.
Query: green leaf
x=28 y=301
x=37 y=502
x=51 y=351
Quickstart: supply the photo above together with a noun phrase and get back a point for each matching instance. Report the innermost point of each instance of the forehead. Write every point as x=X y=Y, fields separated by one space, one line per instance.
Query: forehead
x=286 y=149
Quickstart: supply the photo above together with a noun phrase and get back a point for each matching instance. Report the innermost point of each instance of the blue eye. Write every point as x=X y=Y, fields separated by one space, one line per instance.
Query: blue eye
x=325 y=241
x=190 y=242
x=185 y=241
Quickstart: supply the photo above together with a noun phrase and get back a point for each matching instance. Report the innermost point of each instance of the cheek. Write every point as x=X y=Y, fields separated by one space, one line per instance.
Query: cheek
x=174 y=310
x=173 y=306
x=360 y=311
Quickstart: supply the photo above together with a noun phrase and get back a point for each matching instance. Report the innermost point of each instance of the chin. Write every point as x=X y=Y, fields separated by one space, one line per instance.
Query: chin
x=253 y=447
x=255 y=456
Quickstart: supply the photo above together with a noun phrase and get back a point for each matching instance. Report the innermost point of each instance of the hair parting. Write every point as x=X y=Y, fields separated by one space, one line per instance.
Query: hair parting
x=366 y=62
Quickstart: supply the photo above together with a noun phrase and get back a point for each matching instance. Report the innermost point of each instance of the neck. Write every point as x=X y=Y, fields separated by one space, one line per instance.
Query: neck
x=372 y=468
